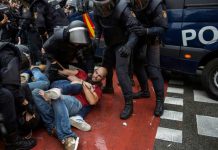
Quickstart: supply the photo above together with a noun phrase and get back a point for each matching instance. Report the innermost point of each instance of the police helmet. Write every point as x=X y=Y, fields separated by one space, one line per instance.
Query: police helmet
x=139 y=5
x=78 y=33
x=104 y=8
x=25 y=56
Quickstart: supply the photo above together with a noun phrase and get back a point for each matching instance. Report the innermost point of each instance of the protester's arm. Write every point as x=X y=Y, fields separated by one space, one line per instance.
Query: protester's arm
x=89 y=92
x=68 y=72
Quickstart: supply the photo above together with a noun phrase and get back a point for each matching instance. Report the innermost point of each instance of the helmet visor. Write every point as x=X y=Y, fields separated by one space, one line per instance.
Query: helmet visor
x=79 y=35
x=140 y=4
x=104 y=8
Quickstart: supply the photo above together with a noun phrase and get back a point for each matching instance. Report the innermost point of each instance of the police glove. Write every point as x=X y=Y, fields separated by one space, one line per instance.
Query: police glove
x=125 y=51
x=139 y=30
x=29 y=108
x=95 y=43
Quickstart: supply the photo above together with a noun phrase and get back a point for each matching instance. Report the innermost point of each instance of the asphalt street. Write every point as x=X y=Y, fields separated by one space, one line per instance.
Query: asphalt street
x=190 y=121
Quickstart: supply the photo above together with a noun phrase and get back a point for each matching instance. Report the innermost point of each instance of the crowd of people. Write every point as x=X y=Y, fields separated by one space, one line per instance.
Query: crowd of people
x=47 y=66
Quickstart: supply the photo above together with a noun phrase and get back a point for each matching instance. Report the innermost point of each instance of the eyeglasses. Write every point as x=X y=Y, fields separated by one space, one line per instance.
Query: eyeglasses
x=98 y=75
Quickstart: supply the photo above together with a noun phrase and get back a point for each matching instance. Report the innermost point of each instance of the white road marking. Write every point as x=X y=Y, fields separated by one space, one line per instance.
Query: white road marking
x=207 y=125
x=172 y=115
x=175 y=90
x=174 y=101
x=167 y=134
x=176 y=82
x=201 y=96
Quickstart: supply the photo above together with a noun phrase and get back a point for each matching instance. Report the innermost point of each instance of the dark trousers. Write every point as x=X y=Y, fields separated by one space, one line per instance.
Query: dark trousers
x=83 y=112
x=111 y=57
x=154 y=71
x=7 y=109
x=139 y=60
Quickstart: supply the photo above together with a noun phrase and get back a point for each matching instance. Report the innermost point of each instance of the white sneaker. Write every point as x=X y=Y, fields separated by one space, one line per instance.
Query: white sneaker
x=71 y=143
x=53 y=93
x=79 y=123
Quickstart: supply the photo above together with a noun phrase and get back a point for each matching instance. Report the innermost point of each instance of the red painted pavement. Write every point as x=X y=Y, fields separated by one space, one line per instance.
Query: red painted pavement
x=108 y=131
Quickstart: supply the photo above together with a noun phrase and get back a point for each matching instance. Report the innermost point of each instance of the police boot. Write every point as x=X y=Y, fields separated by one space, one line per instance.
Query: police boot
x=15 y=142
x=141 y=94
x=128 y=110
x=159 y=108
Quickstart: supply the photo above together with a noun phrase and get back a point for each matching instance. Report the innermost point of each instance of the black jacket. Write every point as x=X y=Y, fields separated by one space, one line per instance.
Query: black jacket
x=58 y=47
x=47 y=17
x=9 y=69
x=116 y=27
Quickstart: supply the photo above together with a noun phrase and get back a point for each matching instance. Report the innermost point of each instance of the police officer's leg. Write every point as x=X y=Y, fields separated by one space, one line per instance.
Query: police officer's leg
x=35 y=44
x=156 y=77
x=131 y=71
x=122 y=68
x=7 y=109
x=139 y=69
x=108 y=62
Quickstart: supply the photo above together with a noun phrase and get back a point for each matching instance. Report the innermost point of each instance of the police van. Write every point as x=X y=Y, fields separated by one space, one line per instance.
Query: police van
x=191 y=42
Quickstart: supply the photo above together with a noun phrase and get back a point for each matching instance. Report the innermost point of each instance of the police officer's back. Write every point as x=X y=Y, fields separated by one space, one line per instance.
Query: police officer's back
x=68 y=43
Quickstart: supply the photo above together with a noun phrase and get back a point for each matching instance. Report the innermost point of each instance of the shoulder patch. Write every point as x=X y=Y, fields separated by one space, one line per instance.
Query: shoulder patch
x=164 y=13
x=35 y=15
x=133 y=14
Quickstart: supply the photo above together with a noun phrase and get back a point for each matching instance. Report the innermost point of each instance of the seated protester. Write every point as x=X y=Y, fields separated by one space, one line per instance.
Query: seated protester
x=38 y=79
x=55 y=109
x=65 y=45
x=11 y=95
x=56 y=113
x=86 y=97
x=65 y=85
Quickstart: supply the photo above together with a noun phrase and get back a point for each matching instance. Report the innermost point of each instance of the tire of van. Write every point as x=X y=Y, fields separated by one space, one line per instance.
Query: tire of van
x=209 y=78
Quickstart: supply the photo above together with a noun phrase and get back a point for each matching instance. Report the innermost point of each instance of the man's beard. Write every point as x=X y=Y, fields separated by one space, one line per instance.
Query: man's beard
x=89 y=79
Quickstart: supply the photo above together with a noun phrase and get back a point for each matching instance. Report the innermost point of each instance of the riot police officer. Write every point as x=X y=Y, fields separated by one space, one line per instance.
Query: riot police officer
x=113 y=19
x=39 y=18
x=152 y=14
x=10 y=60
x=69 y=43
x=46 y=16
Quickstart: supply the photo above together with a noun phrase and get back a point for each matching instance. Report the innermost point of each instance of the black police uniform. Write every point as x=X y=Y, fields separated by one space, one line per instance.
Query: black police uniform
x=8 y=31
x=59 y=48
x=29 y=34
x=47 y=16
x=117 y=38
x=10 y=95
x=39 y=20
x=154 y=19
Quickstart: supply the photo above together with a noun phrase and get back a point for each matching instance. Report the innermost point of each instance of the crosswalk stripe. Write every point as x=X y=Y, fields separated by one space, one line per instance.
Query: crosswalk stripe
x=201 y=96
x=207 y=125
x=167 y=134
x=175 y=90
x=176 y=82
x=174 y=101
x=172 y=115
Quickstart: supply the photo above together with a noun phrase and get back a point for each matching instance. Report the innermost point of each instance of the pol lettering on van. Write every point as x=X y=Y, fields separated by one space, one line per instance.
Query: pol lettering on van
x=190 y=34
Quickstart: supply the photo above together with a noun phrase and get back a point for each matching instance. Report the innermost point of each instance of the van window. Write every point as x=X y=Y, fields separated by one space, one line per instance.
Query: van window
x=174 y=4
x=201 y=3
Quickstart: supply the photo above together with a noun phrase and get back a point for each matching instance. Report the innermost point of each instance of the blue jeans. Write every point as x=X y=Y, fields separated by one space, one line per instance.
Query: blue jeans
x=66 y=87
x=57 y=113
x=41 y=82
